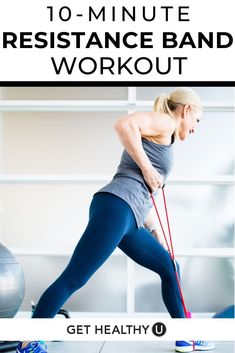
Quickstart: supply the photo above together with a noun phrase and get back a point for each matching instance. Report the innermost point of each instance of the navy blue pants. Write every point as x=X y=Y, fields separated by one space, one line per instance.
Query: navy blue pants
x=111 y=224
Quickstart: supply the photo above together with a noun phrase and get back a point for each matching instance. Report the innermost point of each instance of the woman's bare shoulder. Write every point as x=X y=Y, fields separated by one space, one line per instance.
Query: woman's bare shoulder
x=151 y=123
x=160 y=123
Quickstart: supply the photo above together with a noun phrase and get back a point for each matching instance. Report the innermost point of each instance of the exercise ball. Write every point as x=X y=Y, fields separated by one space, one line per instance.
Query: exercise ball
x=12 y=284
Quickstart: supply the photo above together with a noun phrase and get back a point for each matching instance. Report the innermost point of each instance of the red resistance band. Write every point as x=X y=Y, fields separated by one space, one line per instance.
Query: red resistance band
x=170 y=248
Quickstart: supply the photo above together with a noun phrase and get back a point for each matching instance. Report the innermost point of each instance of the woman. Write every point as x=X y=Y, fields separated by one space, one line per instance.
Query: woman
x=118 y=214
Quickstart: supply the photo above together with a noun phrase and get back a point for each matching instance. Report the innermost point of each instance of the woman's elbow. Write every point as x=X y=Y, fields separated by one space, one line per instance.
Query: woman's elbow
x=120 y=125
x=116 y=125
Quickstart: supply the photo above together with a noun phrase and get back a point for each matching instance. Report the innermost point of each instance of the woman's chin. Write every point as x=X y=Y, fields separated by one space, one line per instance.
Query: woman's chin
x=182 y=137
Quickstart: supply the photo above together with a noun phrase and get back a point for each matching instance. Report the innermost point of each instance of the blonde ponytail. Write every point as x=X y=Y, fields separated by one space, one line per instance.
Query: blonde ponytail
x=161 y=104
x=167 y=103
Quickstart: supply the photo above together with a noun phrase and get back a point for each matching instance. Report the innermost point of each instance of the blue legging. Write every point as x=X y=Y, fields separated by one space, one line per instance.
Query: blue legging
x=111 y=224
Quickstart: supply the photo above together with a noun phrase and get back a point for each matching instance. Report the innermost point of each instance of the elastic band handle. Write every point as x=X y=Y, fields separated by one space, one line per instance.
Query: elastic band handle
x=150 y=191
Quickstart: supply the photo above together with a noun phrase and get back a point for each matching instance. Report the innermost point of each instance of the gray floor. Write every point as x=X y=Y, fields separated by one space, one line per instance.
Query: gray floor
x=125 y=347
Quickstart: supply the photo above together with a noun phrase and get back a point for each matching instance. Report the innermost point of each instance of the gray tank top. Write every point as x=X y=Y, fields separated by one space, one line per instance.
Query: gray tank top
x=128 y=182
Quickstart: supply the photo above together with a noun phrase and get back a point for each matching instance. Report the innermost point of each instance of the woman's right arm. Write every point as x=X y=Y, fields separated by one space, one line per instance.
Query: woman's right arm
x=130 y=128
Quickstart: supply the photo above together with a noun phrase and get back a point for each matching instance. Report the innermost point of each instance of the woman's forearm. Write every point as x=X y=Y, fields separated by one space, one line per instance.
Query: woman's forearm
x=130 y=136
x=130 y=129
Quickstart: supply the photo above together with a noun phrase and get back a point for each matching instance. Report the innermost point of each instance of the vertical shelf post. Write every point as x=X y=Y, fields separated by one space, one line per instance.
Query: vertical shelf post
x=130 y=263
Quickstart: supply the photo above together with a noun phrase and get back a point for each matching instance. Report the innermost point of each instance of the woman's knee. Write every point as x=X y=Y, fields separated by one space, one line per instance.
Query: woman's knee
x=176 y=266
x=168 y=272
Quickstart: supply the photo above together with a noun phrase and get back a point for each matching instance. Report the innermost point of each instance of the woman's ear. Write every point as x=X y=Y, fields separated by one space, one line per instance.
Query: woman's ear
x=186 y=110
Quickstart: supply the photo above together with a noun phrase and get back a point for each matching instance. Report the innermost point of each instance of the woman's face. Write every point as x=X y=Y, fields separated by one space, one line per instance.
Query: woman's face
x=190 y=117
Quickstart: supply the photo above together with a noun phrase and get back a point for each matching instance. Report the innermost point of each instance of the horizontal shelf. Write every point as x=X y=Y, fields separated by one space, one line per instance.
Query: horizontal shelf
x=94 y=106
x=104 y=178
x=53 y=178
x=187 y=252
x=94 y=314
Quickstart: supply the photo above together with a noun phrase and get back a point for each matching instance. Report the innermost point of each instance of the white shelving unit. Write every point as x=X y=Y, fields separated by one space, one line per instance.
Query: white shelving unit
x=100 y=179
x=93 y=106
x=187 y=252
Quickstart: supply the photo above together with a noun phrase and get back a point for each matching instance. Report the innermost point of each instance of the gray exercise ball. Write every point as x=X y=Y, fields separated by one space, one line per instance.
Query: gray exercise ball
x=12 y=284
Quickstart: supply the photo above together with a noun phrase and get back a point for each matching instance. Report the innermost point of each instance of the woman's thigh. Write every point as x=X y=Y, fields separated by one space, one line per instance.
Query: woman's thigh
x=110 y=218
x=142 y=247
